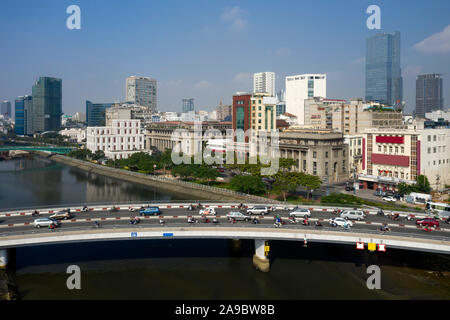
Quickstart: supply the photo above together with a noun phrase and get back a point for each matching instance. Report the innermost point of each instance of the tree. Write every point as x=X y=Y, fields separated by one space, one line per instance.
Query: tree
x=98 y=155
x=248 y=184
x=423 y=185
x=285 y=183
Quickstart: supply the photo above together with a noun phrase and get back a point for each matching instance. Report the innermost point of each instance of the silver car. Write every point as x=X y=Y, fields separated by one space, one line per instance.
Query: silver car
x=353 y=215
x=259 y=210
x=238 y=216
x=45 y=222
x=305 y=213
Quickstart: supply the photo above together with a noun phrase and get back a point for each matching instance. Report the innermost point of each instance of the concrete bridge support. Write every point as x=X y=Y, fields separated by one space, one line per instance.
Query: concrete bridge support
x=260 y=260
x=4 y=258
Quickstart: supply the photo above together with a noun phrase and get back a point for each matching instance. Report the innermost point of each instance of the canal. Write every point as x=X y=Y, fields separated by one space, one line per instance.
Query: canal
x=194 y=269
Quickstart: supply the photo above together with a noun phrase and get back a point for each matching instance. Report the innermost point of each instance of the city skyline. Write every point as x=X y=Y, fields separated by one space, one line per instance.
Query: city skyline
x=98 y=74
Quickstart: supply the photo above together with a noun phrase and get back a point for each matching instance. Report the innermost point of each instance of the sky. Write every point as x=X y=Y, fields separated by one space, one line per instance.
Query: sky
x=208 y=50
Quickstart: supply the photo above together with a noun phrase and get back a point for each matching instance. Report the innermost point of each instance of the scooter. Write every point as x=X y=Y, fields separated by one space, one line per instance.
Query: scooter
x=35 y=213
x=317 y=224
x=305 y=222
x=85 y=209
x=337 y=211
x=380 y=212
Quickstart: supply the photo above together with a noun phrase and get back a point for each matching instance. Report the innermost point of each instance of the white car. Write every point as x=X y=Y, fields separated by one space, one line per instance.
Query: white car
x=305 y=213
x=259 y=210
x=207 y=212
x=341 y=222
x=353 y=215
x=389 y=198
x=45 y=222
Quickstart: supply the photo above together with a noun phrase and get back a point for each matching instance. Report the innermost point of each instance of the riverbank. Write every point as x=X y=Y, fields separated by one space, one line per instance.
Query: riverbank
x=195 y=191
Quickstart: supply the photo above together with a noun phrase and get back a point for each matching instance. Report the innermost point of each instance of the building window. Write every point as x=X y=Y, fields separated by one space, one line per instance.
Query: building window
x=315 y=168
x=326 y=155
x=326 y=168
x=314 y=154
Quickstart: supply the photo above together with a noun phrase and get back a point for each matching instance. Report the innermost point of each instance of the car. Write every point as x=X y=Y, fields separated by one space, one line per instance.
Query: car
x=389 y=198
x=207 y=212
x=389 y=193
x=62 y=215
x=150 y=211
x=353 y=215
x=341 y=222
x=379 y=193
x=238 y=216
x=305 y=213
x=45 y=222
x=427 y=222
x=259 y=210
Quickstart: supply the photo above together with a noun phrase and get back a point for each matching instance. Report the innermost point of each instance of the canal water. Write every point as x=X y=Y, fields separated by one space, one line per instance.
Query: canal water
x=195 y=269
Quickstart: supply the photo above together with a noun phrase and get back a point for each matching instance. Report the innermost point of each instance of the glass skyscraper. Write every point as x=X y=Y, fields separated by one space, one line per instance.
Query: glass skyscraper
x=47 y=104
x=95 y=113
x=188 y=105
x=23 y=117
x=5 y=109
x=429 y=96
x=384 y=81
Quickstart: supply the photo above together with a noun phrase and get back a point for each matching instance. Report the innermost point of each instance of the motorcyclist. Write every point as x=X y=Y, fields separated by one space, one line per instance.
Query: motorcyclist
x=318 y=224
x=35 y=213
x=215 y=220
x=380 y=212
x=293 y=220
x=305 y=222
x=85 y=208
x=255 y=220
x=96 y=224
x=191 y=207
x=190 y=220
x=161 y=221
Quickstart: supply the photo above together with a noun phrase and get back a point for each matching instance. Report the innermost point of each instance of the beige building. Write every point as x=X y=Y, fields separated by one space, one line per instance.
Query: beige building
x=187 y=136
x=223 y=111
x=263 y=112
x=318 y=152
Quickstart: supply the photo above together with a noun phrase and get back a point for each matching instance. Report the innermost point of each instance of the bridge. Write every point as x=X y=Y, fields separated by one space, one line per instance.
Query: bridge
x=59 y=150
x=16 y=229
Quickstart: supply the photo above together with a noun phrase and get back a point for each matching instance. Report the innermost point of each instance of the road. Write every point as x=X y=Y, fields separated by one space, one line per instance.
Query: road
x=177 y=217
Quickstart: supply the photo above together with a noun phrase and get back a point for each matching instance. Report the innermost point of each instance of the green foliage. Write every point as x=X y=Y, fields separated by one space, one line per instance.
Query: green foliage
x=248 y=184
x=338 y=198
x=422 y=185
x=99 y=154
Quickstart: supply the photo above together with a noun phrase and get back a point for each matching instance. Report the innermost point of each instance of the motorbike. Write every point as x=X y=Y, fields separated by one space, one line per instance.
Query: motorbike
x=337 y=211
x=131 y=209
x=305 y=222
x=96 y=224
x=380 y=212
x=114 y=209
x=85 y=209
x=318 y=224
x=410 y=217
x=35 y=213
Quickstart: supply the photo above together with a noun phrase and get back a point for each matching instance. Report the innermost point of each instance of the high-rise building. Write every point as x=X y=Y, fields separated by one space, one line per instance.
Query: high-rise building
x=95 y=113
x=5 y=109
x=224 y=112
x=429 y=96
x=384 y=81
x=142 y=91
x=301 y=87
x=23 y=115
x=47 y=104
x=188 y=105
x=264 y=82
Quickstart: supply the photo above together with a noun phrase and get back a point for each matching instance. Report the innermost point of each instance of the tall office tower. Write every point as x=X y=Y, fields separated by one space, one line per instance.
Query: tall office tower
x=5 y=109
x=264 y=82
x=188 y=105
x=429 y=96
x=23 y=115
x=301 y=87
x=47 y=104
x=142 y=91
x=384 y=81
x=96 y=113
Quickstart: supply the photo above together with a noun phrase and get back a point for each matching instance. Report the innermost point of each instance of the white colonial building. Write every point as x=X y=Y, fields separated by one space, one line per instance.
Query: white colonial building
x=74 y=134
x=118 y=141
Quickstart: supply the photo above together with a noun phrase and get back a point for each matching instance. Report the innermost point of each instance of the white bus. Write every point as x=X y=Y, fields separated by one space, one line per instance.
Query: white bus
x=440 y=209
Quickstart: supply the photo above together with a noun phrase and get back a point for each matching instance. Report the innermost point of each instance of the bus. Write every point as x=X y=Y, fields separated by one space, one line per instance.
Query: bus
x=440 y=209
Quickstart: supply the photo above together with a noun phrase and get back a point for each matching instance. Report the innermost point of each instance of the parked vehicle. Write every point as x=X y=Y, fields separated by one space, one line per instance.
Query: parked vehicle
x=353 y=215
x=442 y=210
x=305 y=213
x=389 y=198
x=379 y=193
x=430 y=222
x=45 y=222
x=262 y=210
x=238 y=216
x=150 y=211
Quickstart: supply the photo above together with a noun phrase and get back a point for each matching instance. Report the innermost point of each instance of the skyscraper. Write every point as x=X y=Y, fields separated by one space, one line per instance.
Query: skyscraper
x=301 y=87
x=429 y=96
x=23 y=115
x=188 y=105
x=47 y=104
x=141 y=91
x=384 y=81
x=5 y=109
x=264 y=82
x=95 y=113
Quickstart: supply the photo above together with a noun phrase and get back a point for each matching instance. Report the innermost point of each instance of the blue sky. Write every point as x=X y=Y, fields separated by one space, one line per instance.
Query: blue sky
x=208 y=50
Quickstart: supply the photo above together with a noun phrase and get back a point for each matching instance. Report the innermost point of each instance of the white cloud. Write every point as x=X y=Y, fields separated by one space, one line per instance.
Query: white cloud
x=229 y=14
x=436 y=43
x=202 y=85
x=242 y=77
x=233 y=15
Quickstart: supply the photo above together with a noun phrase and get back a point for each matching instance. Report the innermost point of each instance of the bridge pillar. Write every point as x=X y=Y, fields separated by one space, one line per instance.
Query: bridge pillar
x=4 y=257
x=260 y=260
